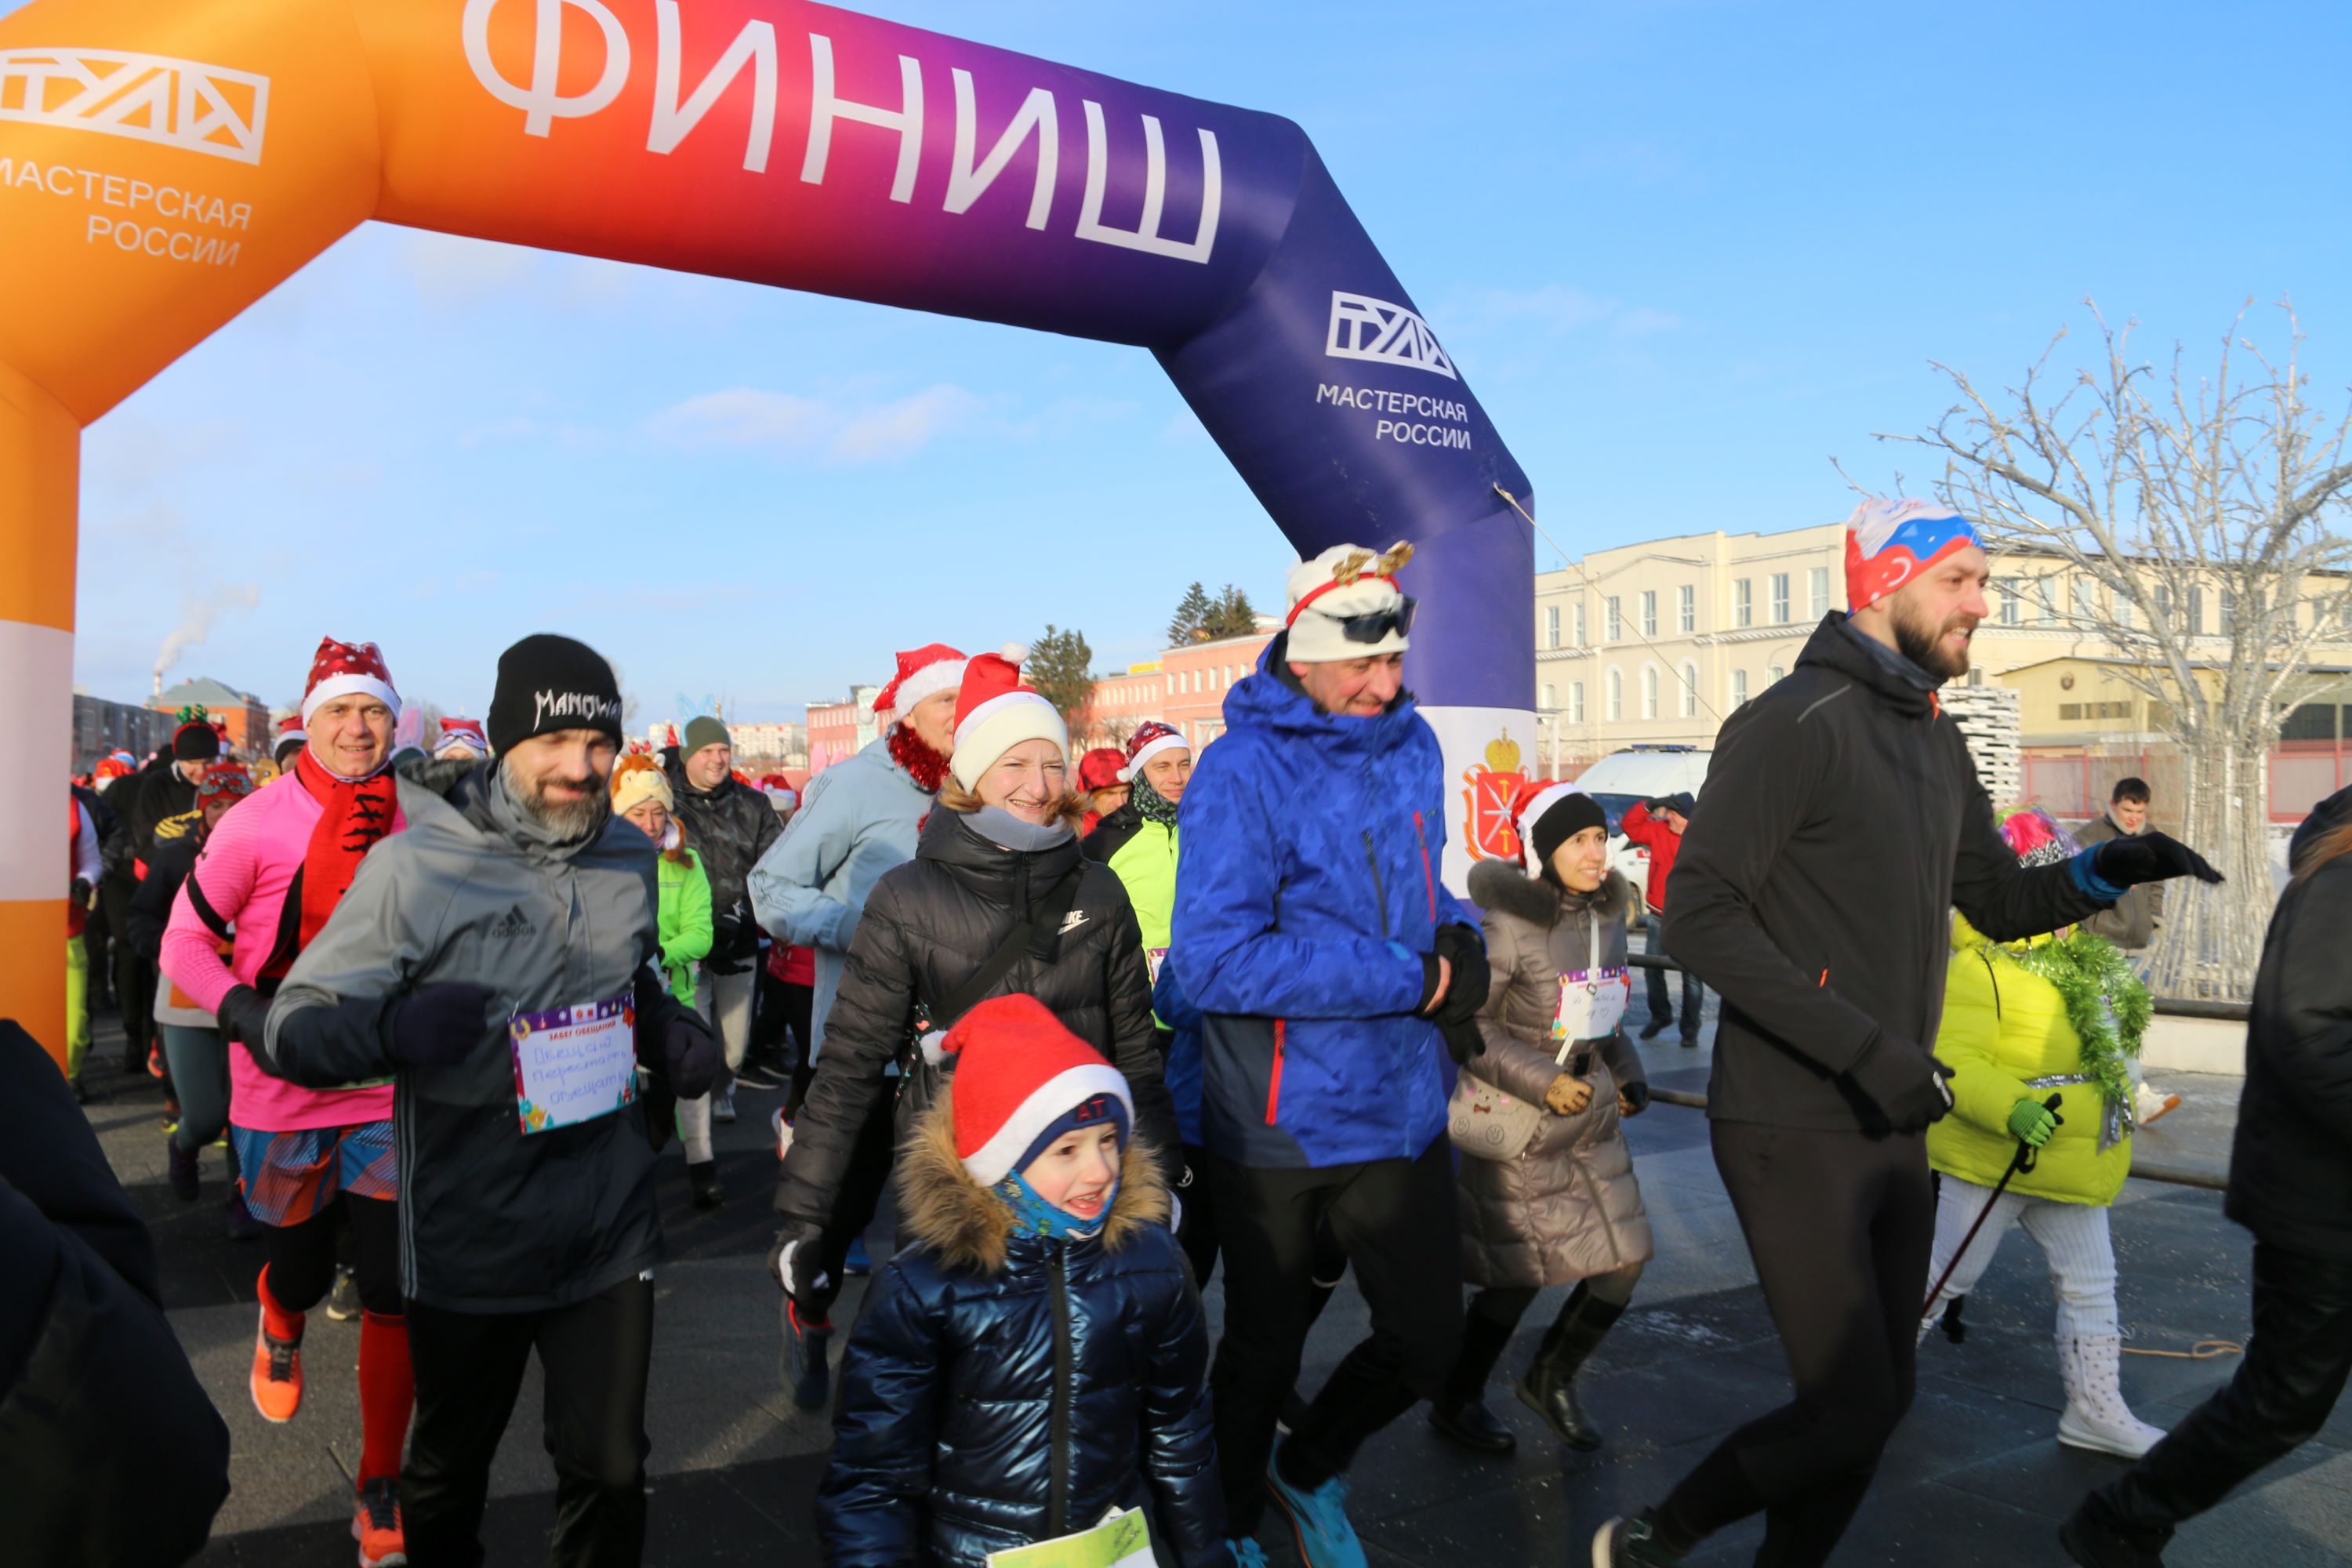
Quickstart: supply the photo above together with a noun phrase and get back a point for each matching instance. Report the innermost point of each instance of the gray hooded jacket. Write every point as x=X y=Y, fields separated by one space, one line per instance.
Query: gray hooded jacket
x=478 y=891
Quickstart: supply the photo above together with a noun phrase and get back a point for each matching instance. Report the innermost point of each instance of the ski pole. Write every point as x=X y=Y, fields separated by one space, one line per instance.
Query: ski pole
x=2021 y=1161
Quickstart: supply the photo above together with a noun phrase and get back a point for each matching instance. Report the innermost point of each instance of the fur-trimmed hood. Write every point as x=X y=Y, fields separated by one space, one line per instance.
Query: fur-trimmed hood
x=966 y=1226
x=1502 y=885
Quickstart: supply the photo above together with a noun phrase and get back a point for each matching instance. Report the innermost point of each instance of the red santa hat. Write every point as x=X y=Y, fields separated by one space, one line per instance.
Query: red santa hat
x=466 y=732
x=995 y=712
x=342 y=668
x=1535 y=802
x=1151 y=738
x=922 y=672
x=1018 y=1072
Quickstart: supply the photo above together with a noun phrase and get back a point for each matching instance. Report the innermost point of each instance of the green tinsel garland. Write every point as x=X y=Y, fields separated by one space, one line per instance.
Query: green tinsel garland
x=2105 y=1003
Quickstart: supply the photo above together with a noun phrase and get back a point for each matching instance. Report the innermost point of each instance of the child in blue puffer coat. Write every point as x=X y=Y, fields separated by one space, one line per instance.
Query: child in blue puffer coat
x=1036 y=1359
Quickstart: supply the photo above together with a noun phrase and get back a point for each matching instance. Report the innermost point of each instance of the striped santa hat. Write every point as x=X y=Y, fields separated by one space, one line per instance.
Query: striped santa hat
x=1021 y=1079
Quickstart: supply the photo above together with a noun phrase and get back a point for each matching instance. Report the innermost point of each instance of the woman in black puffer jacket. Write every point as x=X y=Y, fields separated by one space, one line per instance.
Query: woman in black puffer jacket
x=998 y=849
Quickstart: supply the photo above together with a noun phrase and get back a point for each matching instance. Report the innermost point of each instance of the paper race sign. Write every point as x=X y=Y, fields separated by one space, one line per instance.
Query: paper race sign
x=1120 y=1540
x=1591 y=1003
x=574 y=1064
x=1153 y=957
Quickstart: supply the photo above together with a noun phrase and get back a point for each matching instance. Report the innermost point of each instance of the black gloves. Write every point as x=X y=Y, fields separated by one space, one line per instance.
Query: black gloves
x=79 y=891
x=243 y=1015
x=1636 y=1097
x=1906 y=1084
x=796 y=1263
x=689 y=1056
x=2127 y=860
x=1464 y=951
x=439 y=1023
x=1463 y=1040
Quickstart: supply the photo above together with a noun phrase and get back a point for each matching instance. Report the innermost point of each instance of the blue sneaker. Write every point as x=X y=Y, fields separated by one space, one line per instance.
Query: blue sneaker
x=1246 y=1551
x=1318 y=1520
x=857 y=1265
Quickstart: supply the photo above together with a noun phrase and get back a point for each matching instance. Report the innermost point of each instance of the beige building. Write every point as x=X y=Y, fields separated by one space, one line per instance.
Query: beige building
x=1656 y=643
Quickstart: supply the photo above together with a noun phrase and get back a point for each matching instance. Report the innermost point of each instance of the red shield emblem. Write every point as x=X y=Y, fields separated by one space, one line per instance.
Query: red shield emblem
x=1486 y=832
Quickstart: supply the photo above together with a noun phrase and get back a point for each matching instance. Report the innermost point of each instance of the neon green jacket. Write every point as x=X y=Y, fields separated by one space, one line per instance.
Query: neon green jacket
x=685 y=922
x=2004 y=1025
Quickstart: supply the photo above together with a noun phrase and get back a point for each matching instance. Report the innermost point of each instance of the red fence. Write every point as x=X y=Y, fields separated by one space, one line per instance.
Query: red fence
x=2303 y=773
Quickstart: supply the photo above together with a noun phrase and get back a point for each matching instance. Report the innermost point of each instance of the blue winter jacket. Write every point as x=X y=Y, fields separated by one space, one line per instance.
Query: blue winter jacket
x=1001 y=1389
x=1306 y=896
x=1182 y=1072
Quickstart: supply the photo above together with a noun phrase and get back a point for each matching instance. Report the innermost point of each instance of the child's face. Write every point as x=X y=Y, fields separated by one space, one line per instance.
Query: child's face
x=1076 y=1172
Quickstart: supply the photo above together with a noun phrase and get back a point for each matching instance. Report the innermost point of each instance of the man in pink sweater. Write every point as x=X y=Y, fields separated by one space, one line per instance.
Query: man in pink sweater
x=270 y=874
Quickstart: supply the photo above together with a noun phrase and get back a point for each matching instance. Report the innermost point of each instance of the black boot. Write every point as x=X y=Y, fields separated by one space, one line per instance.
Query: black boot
x=1549 y=1386
x=1460 y=1412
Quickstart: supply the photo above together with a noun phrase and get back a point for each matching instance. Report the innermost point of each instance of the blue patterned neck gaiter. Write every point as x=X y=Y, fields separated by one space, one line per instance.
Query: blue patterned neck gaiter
x=1032 y=1215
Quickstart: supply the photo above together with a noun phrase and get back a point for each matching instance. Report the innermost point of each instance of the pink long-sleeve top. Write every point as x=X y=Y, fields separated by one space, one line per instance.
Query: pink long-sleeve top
x=247 y=866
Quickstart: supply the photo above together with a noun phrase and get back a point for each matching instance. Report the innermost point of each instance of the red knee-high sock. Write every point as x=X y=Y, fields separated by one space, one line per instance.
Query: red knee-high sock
x=387 y=1393
x=276 y=1321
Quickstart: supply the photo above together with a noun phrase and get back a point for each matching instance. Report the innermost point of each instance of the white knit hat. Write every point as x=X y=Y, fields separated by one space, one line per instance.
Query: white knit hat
x=995 y=713
x=1345 y=580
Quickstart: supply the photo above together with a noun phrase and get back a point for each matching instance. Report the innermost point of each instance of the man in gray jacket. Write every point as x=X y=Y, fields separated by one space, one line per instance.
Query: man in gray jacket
x=2131 y=924
x=492 y=959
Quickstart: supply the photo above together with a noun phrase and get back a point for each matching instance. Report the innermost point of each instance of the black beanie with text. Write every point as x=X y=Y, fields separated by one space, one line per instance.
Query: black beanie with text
x=548 y=683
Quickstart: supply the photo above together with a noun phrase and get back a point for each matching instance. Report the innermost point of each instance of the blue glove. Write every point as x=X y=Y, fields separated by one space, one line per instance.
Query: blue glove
x=439 y=1023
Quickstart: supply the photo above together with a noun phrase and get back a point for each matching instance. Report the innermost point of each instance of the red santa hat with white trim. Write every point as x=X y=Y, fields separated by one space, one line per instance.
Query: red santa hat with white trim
x=1540 y=832
x=1020 y=1073
x=995 y=712
x=466 y=732
x=342 y=668
x=1151 y=738
x=922 y=672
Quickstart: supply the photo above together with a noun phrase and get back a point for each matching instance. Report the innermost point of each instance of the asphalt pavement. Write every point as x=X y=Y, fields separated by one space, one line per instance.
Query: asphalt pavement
x=1974 y=1476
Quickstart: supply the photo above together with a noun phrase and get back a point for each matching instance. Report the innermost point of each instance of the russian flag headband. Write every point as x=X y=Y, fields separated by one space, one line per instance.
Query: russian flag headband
x=1887 y=543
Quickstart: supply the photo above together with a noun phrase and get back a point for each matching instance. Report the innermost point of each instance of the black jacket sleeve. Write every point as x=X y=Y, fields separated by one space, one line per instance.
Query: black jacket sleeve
x=151 y=906
x=2006 y=902
x=2309 y=1045
x=87 y=1360
x=1761 y=787
x=862 y=1034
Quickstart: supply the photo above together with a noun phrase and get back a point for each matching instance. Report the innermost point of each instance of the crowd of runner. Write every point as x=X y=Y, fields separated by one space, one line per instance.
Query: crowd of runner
x=1103 y=1028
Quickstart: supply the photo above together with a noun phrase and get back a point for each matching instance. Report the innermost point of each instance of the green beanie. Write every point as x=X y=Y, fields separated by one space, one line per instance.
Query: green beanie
x=704 y=730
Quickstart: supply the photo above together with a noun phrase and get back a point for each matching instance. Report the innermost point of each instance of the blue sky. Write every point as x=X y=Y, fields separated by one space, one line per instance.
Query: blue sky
x=1684 y=252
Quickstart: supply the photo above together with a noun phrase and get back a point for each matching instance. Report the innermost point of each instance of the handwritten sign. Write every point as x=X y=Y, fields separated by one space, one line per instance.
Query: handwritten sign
x=1591 y=1003
x=1120 y=1540
x=574 y=1064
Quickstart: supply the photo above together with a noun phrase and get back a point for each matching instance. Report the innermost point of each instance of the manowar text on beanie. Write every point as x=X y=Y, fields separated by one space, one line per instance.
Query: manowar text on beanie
x=547 y=683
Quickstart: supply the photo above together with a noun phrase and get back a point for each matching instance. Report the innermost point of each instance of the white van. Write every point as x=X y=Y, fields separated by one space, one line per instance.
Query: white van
x=1622 y=780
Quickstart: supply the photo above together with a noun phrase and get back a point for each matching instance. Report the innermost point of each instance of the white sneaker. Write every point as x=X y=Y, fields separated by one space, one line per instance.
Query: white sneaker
x=2096 y=1418
x=2151 y=1105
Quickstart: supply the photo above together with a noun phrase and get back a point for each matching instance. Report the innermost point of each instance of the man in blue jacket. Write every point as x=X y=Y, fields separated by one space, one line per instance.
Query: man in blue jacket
x=1330 y=966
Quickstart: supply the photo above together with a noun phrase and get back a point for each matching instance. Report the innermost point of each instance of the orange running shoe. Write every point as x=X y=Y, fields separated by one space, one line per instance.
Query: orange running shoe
x=277 y=1377
x=375 y=1524
x=155 y=1059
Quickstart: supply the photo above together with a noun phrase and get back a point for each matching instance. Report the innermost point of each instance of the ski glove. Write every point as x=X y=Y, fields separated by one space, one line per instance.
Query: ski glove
x=689 y=1056
x=1908 y=1086
x=1462 y=946
x=243 y=1015
x=1462 y=1039
x=796 y=1263
x=2031 y=1123
x=2128 y=860
x=439 y=1023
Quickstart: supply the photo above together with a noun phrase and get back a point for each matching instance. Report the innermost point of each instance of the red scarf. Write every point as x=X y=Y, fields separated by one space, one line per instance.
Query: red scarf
x=356 y=815
x=924 y=766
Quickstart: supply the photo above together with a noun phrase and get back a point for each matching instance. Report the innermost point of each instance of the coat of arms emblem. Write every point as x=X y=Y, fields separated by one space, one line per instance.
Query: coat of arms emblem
x=1486 y=816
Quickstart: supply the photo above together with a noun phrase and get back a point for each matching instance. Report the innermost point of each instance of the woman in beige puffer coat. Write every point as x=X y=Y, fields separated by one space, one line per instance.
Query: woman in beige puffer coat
x=1567 y=1209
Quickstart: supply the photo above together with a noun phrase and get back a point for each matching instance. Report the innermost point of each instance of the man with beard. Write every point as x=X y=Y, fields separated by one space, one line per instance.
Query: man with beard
x=1845 y=821
x=510 y=932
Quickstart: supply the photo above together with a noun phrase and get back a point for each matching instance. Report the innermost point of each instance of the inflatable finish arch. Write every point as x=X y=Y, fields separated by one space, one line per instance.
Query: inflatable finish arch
x=165 y=163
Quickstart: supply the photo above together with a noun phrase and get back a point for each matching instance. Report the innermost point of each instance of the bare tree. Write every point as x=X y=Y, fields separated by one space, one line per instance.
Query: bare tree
x=2157 y=490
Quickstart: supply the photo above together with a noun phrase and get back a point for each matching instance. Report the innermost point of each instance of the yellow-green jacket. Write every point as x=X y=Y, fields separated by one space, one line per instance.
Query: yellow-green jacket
x=685 y=922
x=2003 y=1026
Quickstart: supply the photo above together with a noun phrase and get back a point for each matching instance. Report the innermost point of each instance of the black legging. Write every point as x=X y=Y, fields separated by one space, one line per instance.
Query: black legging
x=302 y=1257
x=1841 y=1226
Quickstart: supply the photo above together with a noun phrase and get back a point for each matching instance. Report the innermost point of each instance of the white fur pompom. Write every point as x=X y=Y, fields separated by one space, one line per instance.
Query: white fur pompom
x=1014 y=653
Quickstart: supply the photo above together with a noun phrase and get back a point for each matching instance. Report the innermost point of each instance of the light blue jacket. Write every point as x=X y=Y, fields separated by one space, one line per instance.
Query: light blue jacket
x=857 y=819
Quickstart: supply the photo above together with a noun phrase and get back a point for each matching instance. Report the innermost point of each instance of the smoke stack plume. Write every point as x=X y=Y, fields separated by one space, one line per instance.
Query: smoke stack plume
x=197 y=614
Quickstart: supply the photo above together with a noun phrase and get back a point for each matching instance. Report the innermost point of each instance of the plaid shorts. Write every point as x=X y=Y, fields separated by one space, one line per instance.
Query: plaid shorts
x=289 y=1177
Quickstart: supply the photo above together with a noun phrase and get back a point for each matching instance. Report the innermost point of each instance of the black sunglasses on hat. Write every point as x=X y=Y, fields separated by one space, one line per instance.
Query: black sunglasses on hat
x=1373 y=626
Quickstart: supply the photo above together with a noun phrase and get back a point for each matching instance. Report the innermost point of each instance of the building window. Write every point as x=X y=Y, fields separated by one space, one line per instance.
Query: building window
x=1616 y=695
x=2161 y=611
x=1547 y=704
x=2195 y=626
x=1551 y=625
x=1580 y=623
x=1649 y=612
x=1690 y=691
x=1650 y=691
x=1616 y=620
x=1780 y=598
x=1773 y=676
x=1686 y=609
x=1739 y=688
x=2228 y=612
x=2045 y=600
x=1576 y=702
x=1743 y=602
x=2009 y=612
x=1817 y=584
x=2123 y=611
x=2086 y=602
